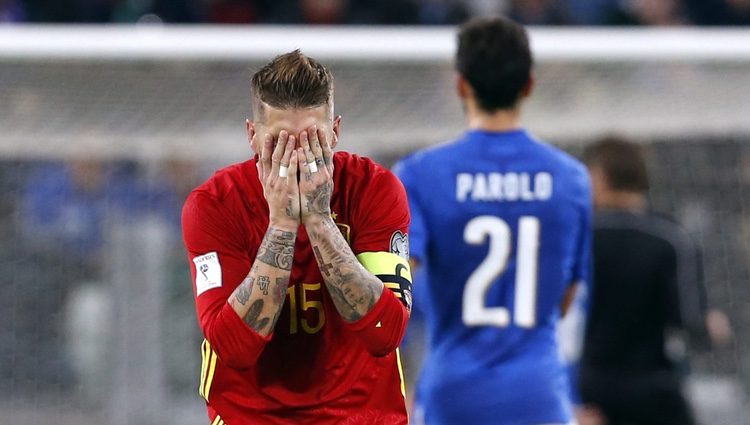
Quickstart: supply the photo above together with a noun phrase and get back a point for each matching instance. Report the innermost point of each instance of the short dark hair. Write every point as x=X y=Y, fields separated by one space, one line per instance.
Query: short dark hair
x=622 y=162
x=495 y=58
x=292 y=80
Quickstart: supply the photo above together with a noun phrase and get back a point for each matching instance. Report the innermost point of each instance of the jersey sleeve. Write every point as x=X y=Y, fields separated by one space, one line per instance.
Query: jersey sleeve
x=582 y=267
x=218 y=264
x=383 y=212
x=685 y=296
x=417 y=228
x=382 y=247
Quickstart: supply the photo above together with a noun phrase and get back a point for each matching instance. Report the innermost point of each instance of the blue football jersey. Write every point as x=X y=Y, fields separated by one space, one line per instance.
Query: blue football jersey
x=501 y=226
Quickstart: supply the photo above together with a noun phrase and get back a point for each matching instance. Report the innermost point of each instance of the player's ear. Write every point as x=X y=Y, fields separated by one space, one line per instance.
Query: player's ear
x=529 y=87
x=463 y=89
x=250 y=127
x=336 y=130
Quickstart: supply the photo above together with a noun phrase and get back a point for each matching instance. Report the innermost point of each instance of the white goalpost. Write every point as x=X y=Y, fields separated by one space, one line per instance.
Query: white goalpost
x=182 y=88
x=210 y=43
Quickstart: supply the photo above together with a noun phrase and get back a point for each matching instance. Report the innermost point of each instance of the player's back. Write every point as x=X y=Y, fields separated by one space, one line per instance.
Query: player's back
x=500 y=224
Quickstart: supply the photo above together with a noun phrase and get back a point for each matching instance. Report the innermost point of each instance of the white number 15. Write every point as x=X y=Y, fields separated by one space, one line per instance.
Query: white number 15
x=475 y=312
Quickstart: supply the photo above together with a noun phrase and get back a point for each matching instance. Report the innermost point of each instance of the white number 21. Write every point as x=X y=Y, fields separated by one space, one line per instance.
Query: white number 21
x=475 y=312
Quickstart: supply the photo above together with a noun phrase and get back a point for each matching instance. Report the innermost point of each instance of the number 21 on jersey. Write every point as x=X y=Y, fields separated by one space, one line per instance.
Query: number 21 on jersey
x=476 y=232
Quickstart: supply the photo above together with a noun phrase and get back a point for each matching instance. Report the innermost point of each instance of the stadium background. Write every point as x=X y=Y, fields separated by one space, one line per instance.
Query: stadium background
x=104 y=129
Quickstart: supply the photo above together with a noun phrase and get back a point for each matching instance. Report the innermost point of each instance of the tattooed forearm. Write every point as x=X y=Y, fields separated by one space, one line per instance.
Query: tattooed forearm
x=353 y=289
x=242 y=293
x=282 y=283
x=340 y=299
x=263 y=282
x=254 y=317
x=277 y=249
x=259 y=298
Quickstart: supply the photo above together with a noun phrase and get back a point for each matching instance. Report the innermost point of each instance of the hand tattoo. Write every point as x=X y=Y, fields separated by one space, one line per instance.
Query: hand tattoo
x=289 y=210
x=319 y=201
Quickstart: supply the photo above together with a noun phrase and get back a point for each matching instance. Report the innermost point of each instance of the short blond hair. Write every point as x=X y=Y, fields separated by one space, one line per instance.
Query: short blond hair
x=292 y=80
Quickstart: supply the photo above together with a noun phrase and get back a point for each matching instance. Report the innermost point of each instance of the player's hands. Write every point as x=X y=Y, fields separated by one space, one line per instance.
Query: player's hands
x=315 y=158
x=282 y=193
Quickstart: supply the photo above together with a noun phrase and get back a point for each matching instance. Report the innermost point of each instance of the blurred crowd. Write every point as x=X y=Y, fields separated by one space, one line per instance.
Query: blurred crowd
x=56 y=221
x=381 y=12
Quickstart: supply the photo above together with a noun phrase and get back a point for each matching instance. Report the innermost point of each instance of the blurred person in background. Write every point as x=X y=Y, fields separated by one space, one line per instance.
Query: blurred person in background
x=501 y=230
x=538 y=12
x=62 y=213
x=324 y=12
x=385 y=12
x=64 y=208
x=67 y=211
x=381 y=12
x=589 y=12
x=736 y=12
x=236 y=11
x=442 y=12
x=647 y=297
x=660 y=13
x=370 y=12
x=720 y=12
x=168 y=184
x=12 y=11
x=154 y=11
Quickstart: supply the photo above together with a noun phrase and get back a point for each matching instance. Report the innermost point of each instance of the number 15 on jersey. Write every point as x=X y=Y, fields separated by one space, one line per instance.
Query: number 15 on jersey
x=476 y=232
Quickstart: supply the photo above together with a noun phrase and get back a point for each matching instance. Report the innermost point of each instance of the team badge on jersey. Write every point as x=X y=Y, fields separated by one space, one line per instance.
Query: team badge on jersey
x=207 y=272
x=345 y=229
x=400 y=244
x=346 y=232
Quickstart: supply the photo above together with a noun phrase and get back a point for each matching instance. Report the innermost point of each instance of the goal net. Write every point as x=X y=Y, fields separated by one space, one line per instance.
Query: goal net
x=104 y=130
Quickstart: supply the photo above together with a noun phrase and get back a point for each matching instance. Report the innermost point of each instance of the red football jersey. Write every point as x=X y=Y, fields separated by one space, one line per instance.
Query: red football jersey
x=314 y=367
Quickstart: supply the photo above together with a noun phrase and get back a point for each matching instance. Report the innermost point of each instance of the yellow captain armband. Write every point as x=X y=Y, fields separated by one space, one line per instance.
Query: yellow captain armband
x=393 y=270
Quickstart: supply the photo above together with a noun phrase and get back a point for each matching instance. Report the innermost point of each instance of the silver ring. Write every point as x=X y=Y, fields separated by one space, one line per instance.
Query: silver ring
x=283 y=171
x=313 y=167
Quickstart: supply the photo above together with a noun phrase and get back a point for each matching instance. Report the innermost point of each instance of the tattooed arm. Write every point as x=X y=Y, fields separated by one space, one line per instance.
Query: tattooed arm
x=374 y=315
x=354 y=290
x=238 y=297
x=259 y=298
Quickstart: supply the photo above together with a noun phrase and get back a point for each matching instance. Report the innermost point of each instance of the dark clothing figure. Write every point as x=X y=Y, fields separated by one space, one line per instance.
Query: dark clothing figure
x=647 y=289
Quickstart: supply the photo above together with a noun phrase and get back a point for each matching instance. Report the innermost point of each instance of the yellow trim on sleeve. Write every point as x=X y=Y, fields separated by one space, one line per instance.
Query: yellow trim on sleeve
x=401 y=372
x=216 y=421
x=385 y=263
x=208 y=368
x=204 y=366
x=210 y=375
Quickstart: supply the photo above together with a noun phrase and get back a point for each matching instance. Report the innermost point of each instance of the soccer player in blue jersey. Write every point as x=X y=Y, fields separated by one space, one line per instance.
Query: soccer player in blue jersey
x=501 y=231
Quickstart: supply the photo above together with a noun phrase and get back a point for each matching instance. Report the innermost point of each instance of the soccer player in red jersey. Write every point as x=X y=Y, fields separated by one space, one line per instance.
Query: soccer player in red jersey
x=299 y=259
